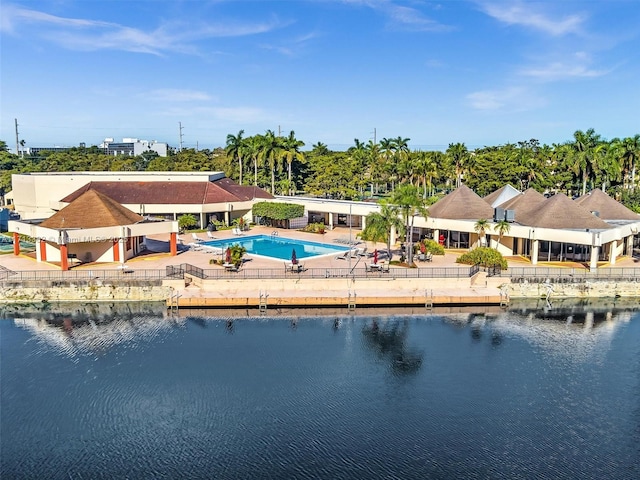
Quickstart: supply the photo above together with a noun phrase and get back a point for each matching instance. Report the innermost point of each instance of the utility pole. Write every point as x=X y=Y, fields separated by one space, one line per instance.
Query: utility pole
x=374 y=136
x=17 y=141
x=180 y=136
x=279 y=134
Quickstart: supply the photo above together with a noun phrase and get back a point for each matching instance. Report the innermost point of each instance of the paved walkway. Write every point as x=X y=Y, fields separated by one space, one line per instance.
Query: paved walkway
x=158 y=256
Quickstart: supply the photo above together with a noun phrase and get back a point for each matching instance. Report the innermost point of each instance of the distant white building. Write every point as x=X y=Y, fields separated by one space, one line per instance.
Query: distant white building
x=133 y=147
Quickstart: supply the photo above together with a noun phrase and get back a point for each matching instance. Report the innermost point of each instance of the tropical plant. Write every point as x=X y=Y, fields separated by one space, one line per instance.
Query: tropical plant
x=236 y=148
x=483 y=256
x=481 y=227
x=502 y=227
x=291 y=151
x=409 y=203
x=278 y=211
x=458 y=154
x=187 y=221
x=379 y=224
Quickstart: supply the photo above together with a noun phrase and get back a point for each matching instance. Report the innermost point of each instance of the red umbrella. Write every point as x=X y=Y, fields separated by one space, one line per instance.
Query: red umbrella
x=375 y=256
x=294 y=260
x=227 y=256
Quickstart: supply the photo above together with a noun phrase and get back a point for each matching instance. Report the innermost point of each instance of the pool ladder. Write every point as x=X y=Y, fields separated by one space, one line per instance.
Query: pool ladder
x=351 y=302
x=262 y=304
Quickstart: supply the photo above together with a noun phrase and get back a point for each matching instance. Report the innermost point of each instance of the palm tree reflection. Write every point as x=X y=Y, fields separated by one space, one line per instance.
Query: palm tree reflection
x=389 y=342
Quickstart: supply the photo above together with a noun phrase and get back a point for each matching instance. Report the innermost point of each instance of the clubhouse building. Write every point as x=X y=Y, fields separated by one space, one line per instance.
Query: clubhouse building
x=591 y=229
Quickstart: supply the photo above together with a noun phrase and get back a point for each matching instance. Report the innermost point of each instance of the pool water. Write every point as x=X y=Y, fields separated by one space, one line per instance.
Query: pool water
x=7 y=247
x=279 y=247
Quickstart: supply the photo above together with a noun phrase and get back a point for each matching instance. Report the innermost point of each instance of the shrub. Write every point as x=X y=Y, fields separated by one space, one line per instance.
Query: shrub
x=314 y=228
x=187 y=221
x=278 y=211
x=432 y=246
x=484 y=256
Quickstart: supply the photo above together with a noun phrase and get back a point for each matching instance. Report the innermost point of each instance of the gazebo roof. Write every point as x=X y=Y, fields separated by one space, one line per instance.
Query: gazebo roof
x=92 y=210
x=607 y=207
x=560 y=212
x=461 y=204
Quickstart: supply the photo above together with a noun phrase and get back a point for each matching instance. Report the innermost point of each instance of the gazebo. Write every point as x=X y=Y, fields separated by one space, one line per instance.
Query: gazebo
x=92 y=228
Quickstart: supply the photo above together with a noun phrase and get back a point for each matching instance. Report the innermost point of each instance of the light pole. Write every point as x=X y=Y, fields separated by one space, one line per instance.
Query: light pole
x=350 y=239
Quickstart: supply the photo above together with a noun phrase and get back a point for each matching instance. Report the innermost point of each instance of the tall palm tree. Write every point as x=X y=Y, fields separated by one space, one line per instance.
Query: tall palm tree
x=270 y=152
x=236 y=148
x=409 y=203
x=291 y=151
x=583 y=159
x=254 y=148
x=458 y=154
x=630 y=154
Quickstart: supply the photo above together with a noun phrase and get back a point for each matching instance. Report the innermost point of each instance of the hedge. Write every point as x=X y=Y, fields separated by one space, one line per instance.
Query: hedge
x=484 y=256
x=278 y=211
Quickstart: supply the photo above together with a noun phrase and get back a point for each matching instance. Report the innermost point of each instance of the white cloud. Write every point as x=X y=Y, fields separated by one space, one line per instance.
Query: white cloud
x=402 y=16
x=510 y=98
x=90 y=35
x=525 y=14
x=577 y=66
x=177 y=95
x=559 y=71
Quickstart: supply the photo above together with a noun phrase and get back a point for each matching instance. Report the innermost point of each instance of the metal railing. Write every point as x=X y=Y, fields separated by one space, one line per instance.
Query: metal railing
x=515 y=274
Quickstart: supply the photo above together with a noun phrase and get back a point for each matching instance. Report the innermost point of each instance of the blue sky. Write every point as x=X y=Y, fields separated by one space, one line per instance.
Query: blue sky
x=479 y=72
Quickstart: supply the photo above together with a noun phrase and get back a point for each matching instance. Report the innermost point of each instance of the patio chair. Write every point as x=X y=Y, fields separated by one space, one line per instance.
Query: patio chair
x=384 y=268
x=429 y=257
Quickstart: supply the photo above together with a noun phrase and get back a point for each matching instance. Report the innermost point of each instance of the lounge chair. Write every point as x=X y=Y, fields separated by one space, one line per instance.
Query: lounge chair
x=362 y=252
x=237 y=231
x=344 y=255
x=195 y=237
x=211 y=236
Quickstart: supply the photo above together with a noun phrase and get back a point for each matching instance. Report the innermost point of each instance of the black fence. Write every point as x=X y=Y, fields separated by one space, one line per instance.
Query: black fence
x=516 y=275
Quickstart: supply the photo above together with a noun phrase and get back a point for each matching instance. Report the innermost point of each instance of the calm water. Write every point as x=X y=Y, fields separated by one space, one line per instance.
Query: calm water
x=279 y=247
x=131 y=393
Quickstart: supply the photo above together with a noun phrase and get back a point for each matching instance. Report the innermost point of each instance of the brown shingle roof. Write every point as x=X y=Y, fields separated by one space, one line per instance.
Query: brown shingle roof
x=167 y=193
x=607 y=207
x=92 y=210
x=560 y=212
x=524 y=203
x=461 y=204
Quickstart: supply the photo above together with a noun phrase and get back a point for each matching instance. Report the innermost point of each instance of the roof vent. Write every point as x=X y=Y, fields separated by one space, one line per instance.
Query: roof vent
x=596 y=213
x=510 y=216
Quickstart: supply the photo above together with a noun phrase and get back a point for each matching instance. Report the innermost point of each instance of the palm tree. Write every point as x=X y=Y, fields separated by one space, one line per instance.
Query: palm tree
x=583 y=159
x=270 y=152
x=409 y=203
x=291 y=151
x=630 y=154
x=236 y=147
x=502 y=227
x=458 y=154
x=254 y=147
x=379 y=225
x=481 y=226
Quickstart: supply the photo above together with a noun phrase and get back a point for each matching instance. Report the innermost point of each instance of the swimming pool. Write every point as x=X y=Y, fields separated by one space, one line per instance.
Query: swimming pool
x=278 y=247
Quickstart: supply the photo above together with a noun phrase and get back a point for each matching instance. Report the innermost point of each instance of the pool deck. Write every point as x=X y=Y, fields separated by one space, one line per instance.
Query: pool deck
x=306 y=292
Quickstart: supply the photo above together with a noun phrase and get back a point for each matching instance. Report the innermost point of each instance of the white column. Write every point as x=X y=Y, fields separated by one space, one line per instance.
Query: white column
x=330 y=221
x=364 y=222
x=393 y=235
x=593 y=263
x=202 y=225
x=613 y=252
x=534 y=252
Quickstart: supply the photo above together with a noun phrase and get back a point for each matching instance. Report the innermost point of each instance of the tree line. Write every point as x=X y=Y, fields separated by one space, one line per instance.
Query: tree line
x=375 y=169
